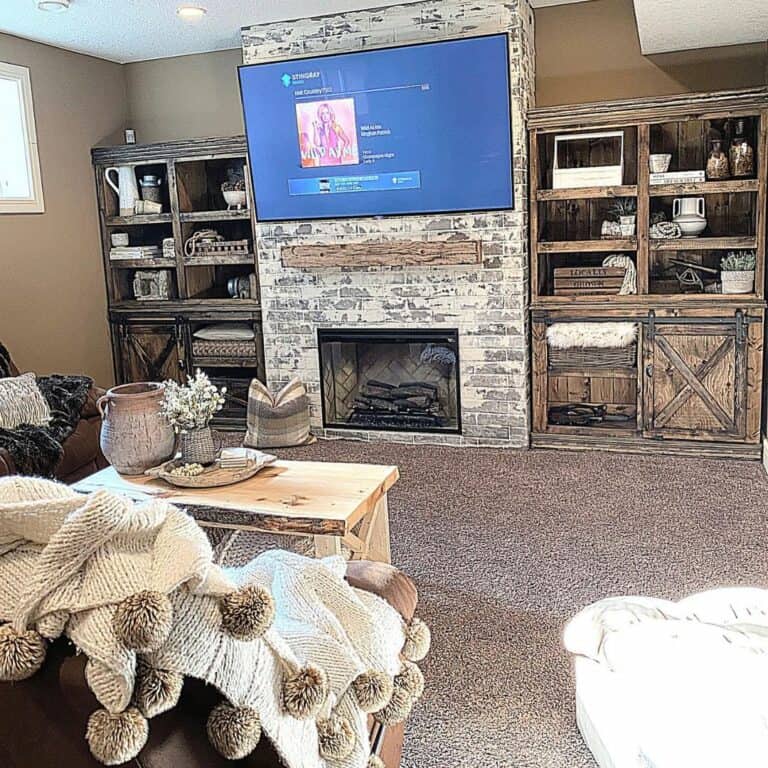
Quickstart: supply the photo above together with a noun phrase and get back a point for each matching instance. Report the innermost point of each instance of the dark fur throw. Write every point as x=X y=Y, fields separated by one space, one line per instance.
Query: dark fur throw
x=5 y=362
x=37 y=450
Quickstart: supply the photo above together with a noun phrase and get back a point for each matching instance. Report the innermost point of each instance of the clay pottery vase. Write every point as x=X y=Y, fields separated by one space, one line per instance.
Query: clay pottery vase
x=134 y=433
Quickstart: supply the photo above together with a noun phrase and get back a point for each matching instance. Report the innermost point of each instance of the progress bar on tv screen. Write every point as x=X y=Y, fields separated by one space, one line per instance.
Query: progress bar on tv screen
x=372 y=182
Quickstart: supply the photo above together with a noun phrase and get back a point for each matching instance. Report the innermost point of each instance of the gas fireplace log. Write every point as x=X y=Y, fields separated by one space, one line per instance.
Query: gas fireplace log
x=375 y=403
x=379 y=384
x=413 y=390
x=422 y=384
x=414 y=402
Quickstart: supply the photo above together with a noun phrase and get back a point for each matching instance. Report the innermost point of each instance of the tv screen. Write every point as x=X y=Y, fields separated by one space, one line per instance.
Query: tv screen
x=415 y=129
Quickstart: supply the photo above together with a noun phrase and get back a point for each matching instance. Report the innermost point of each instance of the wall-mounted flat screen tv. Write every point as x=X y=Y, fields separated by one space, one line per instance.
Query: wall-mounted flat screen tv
x=413 y=129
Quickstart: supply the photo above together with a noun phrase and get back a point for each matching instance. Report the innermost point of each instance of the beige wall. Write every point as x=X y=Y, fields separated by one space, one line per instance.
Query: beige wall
x=52 y=297
x=185 y=96
x=591 y=52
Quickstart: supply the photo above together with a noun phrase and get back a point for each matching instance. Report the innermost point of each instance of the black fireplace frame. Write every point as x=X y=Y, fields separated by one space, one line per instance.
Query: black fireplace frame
x=394 y=335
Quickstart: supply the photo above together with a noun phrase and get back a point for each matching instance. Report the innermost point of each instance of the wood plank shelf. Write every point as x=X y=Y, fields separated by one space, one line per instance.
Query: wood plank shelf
x=139 y=219
x=562 y=246
x=188 y=305
x=704 y=188
x=396 y=253
x=142 y=263
x=587 y=193
x=219 y=260
x=704 y=244
x=193 y=216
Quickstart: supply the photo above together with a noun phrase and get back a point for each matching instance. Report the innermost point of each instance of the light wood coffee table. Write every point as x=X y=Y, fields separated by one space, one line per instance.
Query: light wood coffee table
x=334 y=503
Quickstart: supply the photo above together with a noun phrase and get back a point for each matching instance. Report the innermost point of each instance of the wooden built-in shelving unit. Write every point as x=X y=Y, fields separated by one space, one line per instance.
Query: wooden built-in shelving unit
x=154 y=340
x=696 y=385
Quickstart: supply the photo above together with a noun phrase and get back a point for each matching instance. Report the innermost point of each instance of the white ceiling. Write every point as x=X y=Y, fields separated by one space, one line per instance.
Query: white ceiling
x=137 y=30
x=679 y=25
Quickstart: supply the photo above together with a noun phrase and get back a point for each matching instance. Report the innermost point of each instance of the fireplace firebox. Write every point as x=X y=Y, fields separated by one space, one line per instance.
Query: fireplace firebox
x=404 y=380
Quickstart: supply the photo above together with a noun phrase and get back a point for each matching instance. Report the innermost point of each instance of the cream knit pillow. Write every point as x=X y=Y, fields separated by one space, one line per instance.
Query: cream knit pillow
x=21 y=402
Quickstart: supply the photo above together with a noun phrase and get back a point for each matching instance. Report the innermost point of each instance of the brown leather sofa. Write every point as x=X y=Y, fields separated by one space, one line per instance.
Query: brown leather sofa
x=82 y=453
x=43 y=719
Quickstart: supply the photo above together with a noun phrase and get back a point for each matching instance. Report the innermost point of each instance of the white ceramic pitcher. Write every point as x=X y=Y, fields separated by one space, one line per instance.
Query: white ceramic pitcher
x=126 y=188
x=690 y=214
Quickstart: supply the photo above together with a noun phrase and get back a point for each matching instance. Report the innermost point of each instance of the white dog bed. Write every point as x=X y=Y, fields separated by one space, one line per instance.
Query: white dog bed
x=674 y=685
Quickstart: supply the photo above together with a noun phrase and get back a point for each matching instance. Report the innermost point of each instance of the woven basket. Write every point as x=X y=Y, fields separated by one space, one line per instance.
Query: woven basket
x=593 y=357
x=197 y=446
x=230 y=348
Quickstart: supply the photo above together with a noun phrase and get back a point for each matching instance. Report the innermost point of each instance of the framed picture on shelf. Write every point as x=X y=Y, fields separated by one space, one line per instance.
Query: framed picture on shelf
x=588 y=160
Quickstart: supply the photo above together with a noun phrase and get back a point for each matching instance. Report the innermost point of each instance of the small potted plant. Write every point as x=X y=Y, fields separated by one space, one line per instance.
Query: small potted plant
x=624 y=210
x=737 y=272
x=189 y=408
x=234 y=190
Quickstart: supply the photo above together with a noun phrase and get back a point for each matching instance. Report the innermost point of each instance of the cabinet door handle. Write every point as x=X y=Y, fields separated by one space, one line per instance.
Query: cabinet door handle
x=649 y=371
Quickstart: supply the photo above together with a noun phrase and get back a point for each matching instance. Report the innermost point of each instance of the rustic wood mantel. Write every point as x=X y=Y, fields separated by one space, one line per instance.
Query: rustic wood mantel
x=392 y=253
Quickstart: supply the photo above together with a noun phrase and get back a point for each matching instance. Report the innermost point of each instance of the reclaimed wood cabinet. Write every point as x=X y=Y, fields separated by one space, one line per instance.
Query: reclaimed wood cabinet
x=148 y=350
x=694 y=382
x=153 y=339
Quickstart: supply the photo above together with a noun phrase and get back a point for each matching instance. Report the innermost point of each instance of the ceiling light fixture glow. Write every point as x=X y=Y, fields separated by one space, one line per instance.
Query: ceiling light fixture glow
x=191 y=12
x=53 y=6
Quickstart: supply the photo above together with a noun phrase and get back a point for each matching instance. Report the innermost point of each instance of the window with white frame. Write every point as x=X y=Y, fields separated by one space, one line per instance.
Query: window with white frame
x=21 y=190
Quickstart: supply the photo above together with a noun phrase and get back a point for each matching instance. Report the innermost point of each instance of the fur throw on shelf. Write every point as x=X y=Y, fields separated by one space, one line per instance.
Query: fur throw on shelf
x=295 y=651
x=591 y=335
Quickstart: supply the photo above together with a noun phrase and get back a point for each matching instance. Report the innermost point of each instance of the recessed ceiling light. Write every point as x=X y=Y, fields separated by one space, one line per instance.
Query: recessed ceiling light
x=53 y=6
x=191 y=12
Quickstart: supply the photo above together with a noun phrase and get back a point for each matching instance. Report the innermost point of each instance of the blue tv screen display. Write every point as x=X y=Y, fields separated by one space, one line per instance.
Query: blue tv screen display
x=415 y=129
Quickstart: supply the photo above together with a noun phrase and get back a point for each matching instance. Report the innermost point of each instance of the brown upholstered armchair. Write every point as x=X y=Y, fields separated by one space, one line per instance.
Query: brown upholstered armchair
x=82 y=454
x=43 y=719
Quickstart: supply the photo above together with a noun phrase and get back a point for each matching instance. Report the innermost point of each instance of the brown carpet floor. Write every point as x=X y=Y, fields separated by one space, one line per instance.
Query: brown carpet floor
x=506 y=546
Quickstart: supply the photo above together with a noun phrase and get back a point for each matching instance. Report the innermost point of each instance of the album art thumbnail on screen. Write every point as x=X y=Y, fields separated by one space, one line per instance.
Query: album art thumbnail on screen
x=327 y=133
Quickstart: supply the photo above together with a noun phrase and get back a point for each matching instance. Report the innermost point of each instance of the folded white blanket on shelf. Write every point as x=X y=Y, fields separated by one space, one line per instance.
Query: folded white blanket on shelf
x=293 y=648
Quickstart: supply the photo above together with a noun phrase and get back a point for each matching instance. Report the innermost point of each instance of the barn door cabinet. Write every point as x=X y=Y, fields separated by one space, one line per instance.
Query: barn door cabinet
x=148 y=349
x=694 y=386
x=693 y=382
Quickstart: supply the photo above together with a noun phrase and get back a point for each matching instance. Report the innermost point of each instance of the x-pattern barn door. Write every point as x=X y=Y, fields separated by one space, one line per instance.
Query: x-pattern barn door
x=696 y=379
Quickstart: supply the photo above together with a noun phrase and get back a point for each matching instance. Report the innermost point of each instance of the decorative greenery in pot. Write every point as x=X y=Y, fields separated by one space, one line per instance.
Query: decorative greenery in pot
x=234 y=189
x=189 y=408
x=737 y=272
x=624 y=210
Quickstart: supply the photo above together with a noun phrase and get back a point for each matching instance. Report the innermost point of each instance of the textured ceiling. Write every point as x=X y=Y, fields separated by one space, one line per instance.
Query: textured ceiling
x=679 y=25
x=135 y=30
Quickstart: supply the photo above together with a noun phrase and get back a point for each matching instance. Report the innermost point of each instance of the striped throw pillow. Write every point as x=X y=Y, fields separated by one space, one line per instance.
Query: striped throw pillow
x=277 y=421
x=21 y=402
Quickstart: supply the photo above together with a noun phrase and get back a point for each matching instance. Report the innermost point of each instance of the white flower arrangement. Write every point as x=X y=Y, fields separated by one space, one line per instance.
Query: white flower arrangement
x=192 y=405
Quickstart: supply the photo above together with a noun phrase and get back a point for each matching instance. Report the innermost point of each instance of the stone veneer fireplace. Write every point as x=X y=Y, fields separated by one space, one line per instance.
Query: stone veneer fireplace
x=403 y=380
x=484 y=303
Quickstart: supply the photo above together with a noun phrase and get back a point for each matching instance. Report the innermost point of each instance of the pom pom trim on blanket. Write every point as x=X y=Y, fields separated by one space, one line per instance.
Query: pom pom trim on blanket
x=142 y=622
x=247 y=613
x=373 y=690
x=156 y=690
x=305 y=693
x=418 y=640
x=21 y=653
x=116 y=738
x=234 y=732
x=335 y=737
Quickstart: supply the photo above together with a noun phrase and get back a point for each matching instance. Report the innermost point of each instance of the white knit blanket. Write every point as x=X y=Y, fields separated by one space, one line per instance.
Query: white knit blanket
x=67 y=561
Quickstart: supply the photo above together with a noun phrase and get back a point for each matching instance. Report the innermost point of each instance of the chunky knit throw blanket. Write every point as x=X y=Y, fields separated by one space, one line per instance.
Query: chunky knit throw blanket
x=294 y=650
